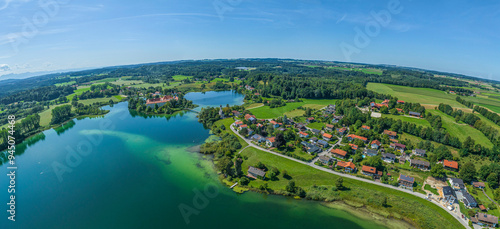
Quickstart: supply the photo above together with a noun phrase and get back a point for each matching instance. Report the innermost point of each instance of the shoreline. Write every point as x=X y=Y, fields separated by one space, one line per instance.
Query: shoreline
x=367 y=213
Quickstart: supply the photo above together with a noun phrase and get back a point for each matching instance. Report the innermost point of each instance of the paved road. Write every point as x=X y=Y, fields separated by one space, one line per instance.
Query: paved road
x=490 y=198
x=250 y=143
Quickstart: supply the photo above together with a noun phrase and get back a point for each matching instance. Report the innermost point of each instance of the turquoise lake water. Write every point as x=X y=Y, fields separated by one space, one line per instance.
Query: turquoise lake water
x=125 y=170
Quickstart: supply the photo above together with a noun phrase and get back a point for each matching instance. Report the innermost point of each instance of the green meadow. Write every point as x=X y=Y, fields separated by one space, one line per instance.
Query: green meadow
x=266 y=112
x=462 y=131
x=432 y=96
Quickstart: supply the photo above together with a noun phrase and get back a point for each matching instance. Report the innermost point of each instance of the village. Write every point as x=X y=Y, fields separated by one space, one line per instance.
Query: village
x=382 y=158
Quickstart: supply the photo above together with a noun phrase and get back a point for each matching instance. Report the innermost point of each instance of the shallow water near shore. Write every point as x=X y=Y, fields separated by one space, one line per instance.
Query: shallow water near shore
x=130 y=171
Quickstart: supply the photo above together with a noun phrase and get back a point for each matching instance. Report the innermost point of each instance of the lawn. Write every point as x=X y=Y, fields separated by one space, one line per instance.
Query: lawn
x=462 y=131
x=426 y=214
x=433 y=190
x=416 y=95
x=418 y=121
x=316 y=125
x=267 y=113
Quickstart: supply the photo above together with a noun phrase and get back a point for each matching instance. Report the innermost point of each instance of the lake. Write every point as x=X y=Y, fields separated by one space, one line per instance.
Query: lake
x=125 y=170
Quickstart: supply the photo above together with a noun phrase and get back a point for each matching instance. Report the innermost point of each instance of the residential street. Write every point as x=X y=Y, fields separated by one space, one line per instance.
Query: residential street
x=250 y=143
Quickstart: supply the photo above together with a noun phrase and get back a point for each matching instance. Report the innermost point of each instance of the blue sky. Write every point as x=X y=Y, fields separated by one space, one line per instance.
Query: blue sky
x=450 y=35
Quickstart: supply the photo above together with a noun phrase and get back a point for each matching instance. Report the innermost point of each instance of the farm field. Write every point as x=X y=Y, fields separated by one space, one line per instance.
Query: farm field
x=364 y=70
x=432 y=96
x=181 y=77
x=418 y=121
x=78 y=91
x=122 y=82
x=295 y=113
x=462 y=131
x=416 y=95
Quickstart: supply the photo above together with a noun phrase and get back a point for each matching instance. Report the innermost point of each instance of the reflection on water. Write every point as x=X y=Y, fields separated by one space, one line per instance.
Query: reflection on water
x=66 y=126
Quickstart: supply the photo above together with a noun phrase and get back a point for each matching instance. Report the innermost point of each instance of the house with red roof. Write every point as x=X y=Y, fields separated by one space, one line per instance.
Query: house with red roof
x=365 y=127
x=391 y=134
x=303 y=134
x=369 y=171
x=271 y=142
x=238 y=123
x=338 y=153
x=450 y=165
x=342 y=130
x=347 y=166
x=327 y=137
x=398 y=146
x=351 y=137
x=250 y=118
x=375 y=144
x=353 y=147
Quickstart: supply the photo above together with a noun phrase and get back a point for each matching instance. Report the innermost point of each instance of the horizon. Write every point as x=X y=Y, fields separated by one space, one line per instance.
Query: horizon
x=62 y=71
x=62 y=35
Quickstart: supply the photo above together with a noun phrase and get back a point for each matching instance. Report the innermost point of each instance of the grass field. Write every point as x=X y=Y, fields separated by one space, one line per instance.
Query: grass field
x=91 y=101
x=46 y=115
x=64 y=84
x=416 y=95
x=122 y=82
x=267 y=113
x=364 y=70
x=254 y=105
x=119 y=97
x=316 y=125
x=181 y=77
x=421 y=121
x=295 y=113
x=431 y=96
x=462 y=131
x=78 y=91
x=425 y=213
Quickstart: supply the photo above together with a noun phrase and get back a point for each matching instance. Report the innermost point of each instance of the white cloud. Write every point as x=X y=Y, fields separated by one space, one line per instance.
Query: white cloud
x=4 y=68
